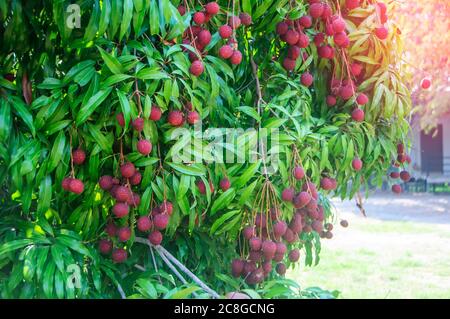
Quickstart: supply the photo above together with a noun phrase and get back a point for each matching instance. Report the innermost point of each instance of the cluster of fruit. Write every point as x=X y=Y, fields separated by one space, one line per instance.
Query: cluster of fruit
x=402 y=160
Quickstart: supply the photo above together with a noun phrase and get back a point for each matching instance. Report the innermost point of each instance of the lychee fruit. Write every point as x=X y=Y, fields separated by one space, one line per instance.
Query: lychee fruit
x=255 y=256
x=120 y=119
x=289 y=64
x=105 y=246
x=204 y=37
x=357 y=164
x=161 y=221
x=196 y=68
x=134 y=200
x=65 y=184
x=237 y=267
x=362 y=99
x=306 y=79
x=325 y=51
x=111 y=229
x=356 y=69
x=155 y=237
x=106 y=182
x=155 y=113
x=144 y=223
x=400 y=148
x=352 y=4
x=192 y=117
x=397 y=189
x=120 y=210
x=316 y=10
x=279 y=228
x=127 y=169
x=175 y=118
x=282 y=28
x=236 y=57
x=212 y=8
x=338 y=25
x=394 y=175
x=136 y=179
x=302 y=199
x=166 y=207
x=319 y=38
x=138 y=124
x=144 y=147
x=225 y=31
x=255 y=243
x=292 y=37
x=288 y=194
x=119 y=255
x=199 y=18
x=298 y=172
x=122 y=193
x=280 y=268
x=246 y=19
x=405 y=176
x=381 y=33
x=340 y=39
x=225 y=51
x=293 y=52
x=78 y=156
x=181 y=10
x=124 y=233
x=303 y=41
x=358 y=115
x=344 y=223
x=269 y=248
x=234 y=22
x=425 y=83
x=294 y=255
x=248 y=232
x=261 y=221
x=346 y=91
x=331 y=100
x=225 y=184
x=76 y=186
x=305 y=21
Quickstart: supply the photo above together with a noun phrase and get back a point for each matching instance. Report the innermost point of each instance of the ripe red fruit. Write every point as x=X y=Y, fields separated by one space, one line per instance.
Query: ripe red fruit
x=166 y=207
x=212 y=8
x=234 y=22
x=120 y=210
x=124 y=233
x=199 y=18
x=292 y=37
x=306 y=79
x=138 y=124
x=78 y=156
x=269 y=248
x=136 y=179
x=122 y=193
x=305 y=21
x=106 y=182
x=202 y=188
x=260 y=221
x=282 y=28
x=144 y=223
x=404 y=175
x=134 y=200
x=65 y=184
x=381 y=33
x=225 y=51
x=338 y=25
x=331 y=100
x=182 y=10
x=397 y=189
x=401 y=158
x=356 y=69
x=192 y=117
x=248 y=232
x=325 y=51
x=288 y=194
x=246 y=19
x=255 y=243
x=317 y=226
x=225 y=184
x=120 y=119
x=196 y=68
x=119 y=255
x=400 y=148
x=155 y=113
x=319 y=38
x=352 y=4
x=327 y=12
x=303 y=41
x=357 y=164
x=225 y=31
x=326 y=184
x=236 y=57
x=362 y=99
x=425 y=83
x=237 y=267
x=155 y=237
x=105 y=246
x=144 y=147
x=358 y=115
x=394 y=175
x=161 y=221
x=111 y=229
x=302 y=199
x=344 y=223
x=347 y=91
x=204 y=37
x=293 y=52
x=127 y=170
x=298 y=172
x=279 y=228
x=316 y=10
x=340 y=39
x=294 y=255
x=76 y=186
x=289 y=64
x=175 y=118
x=280 y=269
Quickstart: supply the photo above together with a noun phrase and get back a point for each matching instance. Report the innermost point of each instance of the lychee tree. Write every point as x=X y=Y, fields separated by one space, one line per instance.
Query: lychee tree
x=89 y=145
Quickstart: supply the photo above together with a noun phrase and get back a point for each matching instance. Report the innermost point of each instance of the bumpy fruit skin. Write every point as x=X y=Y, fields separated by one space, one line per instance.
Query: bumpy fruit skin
x=204 y=37
x=357 y=164
x=249 y=232
x=316 y=10
x=119 y=255
x=331 y=100
x=144 y=147
x=326 y=183
x=325 y=51
x=212 y=8
x=356 y=69
x=136 y=179
x=352 y=4
x=288 y=194
x=294 y=255
x=202 y=188
x=255 y=243
x=134 y=200
x=381 y=33
x=155 y=113
x=127 y=170
x=76 y=186
x=121 y=193
x=175 y=118
x=111 y=229
x=282 y=28
x=425 y=84
x=144 y=223
x=78 y=156
x=307 y=79
x=166 y=208
x=292 y=37
x=120 y=119
x=234 y=22
x=397 y=189
x=106 y=182
x=269 y=248
x=237 y=267
x=289 y=64
x=404 y=175
x=105 y=246
x=225 y=51
x=65 y=184
x=123 y=234
x=246 y=19
x=347 y=91
x=338 y=25
x=155 y=237
x=138 y=124
x=236 y=57
x=394 y=175
x=161 y=221
x=280 y=269
x=182 y=10
x=293 y=52
x=120 y=210
x=358 y=115
x=224 y=184
x=225 y=31
x=362 y=99
x=303 y=41
x=298 y=172
x=305 y=21
x=279 y=229
x=302 y=199
x=199 y=18
x=196 y=68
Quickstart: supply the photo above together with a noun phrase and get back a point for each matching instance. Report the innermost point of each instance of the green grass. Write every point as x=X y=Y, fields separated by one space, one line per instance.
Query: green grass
x=383 y=259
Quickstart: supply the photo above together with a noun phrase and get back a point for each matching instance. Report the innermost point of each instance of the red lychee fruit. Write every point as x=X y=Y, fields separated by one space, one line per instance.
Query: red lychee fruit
x=175 y=118
x=237 y=267
x=204 y=37
x=65 y=184
x=362 y=99
x=181 y=10
x=76 y=186
x=106 y=182
x=269 y=248
x=357 y=164
x=356 y=69
x=225 y=31
x=306 y=79
x=136 y=179
x=289 y=64
x=134 y=200
x=127 y=170
x=405 y=176
x=78 y=156
x=327 y=12
x=397 y=189
x=338 y=25
x=346 y=91
x=225 y=51
x=340 y=39
x=155 y=113
x=120 y=210
x=122 y=193
x=202 y=188
x=288 y=194
x=325 y=52
x=319 y=38
x=105 y=246
x=255 y=256
x=255 y=243
x=120 y=119
x=303 y=41
x=294 y=255
x=293 y=52
x=296 y=223
x=425 y=83
x=155 y=237
x=317 y=226
x=144 y=223
x=236 y=57
x=281 y=248
x=212 y=8
x=328 y=235
x=111 y=229
x=302 y=199
x=196 y=68
x=119 y=255
x=199 y=18
x=292 y=37
x=352 y=4
x=344 y=223
x=225 y=184
x=290 y=236
x=381 y=33
x=331 y=100
x=123 y=234
x=192 y=117
x=305 y=21
x=328 y=226
x=144 y=147
x=358 y=115
x=234 y=22
x=280 y=269
x=316 y=10
x=298 y=172
x=161 y=221
x=279 y=228
x=261 y=221
x=401 y=158
x=248 y=232
x=138 y=124
x=246 y=19
x=394 y=175
x=282 y=28
x=400 y=148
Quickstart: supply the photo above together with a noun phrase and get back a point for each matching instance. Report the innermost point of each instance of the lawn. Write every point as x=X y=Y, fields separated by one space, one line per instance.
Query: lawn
x=376 y=258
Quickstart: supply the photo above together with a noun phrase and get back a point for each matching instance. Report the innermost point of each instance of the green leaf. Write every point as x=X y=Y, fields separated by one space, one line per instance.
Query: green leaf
x=57 y=152
x=193 y=169
x=14 y=245
x=126 y=18
x=45 y=195
x=184 y=293
x=111 y=62
x=219 y=222
x=125 y=106
x=91 y=105
x=223 y=200
x=23 y=112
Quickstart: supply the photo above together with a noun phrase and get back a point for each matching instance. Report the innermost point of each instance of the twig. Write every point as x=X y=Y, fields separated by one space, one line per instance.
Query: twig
x=359 y=204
